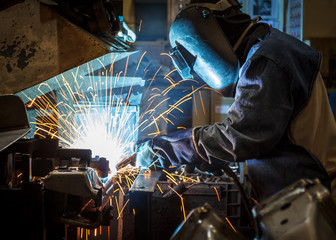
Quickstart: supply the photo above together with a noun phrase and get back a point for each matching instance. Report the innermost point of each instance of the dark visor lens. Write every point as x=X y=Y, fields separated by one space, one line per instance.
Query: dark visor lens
x=183 y=61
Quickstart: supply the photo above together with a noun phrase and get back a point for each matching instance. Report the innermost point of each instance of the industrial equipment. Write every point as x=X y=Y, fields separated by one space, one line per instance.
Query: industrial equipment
x=203 y=223
x=43 y=185
x=304 y=210
x=61 y=189
x=159 y=200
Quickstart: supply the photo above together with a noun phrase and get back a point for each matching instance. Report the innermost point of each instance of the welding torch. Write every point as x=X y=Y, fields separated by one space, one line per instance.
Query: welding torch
x=129 y=160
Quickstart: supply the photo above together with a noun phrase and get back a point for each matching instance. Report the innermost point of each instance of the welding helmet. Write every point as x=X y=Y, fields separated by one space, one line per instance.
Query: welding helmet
x=201 y=48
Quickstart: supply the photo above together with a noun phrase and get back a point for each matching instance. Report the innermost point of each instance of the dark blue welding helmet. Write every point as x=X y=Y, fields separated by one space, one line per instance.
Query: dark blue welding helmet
x=201 y=48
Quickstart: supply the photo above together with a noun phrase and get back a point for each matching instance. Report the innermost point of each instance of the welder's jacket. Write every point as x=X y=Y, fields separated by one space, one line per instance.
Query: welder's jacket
x=280 y=123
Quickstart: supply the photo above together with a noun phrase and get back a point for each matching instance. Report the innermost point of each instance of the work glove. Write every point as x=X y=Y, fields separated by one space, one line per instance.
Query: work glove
x=146 y=156
x=175 y=149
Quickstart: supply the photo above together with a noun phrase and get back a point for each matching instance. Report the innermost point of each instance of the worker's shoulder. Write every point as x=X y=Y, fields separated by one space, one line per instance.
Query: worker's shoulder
x=289 y=53
x=281 y=47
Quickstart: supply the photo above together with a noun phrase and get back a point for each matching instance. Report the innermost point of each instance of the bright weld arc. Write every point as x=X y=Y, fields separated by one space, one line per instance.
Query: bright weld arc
x=79 y=96
x=61 y=118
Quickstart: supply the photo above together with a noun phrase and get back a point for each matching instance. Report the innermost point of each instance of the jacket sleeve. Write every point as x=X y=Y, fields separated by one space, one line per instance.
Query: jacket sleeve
x=257 y=119
x=176 y=148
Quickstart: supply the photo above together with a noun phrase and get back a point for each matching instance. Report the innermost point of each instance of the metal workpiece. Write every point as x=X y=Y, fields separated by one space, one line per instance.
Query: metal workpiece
x=202 y=223
x=146 y=181
x=304 y=210
x=70 y=155
x=158 y=213
x=13 y=120
x=74 y=182
x=141 y=200
x=127 y=161
x=85 y=202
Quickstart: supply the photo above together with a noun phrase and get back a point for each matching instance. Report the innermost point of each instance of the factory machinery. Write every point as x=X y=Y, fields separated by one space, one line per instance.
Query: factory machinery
x=52 y=191
x=48 y=192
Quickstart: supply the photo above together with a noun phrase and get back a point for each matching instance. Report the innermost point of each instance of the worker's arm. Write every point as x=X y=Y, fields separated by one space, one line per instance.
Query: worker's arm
x=256 y=122
x=173 y=149
x=257 y=119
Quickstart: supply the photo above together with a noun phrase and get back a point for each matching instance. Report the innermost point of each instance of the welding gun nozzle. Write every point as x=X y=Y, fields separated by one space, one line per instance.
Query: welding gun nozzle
x=123 y=163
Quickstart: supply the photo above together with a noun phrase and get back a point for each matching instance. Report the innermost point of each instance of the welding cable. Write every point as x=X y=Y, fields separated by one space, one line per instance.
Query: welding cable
x=225 y=167
x=180 y=188
x=235 y=180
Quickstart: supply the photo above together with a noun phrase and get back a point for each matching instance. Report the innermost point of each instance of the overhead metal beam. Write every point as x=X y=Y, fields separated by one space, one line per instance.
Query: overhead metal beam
x=37 y=43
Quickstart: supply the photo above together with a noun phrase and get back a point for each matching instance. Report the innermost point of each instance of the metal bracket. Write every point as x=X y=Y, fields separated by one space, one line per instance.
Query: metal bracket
x=146 y=181
x=141 y=201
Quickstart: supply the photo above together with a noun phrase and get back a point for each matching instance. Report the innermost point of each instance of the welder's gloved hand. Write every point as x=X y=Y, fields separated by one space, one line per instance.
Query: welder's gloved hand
x=175 y=149
x=204 y=166
x=145 y=155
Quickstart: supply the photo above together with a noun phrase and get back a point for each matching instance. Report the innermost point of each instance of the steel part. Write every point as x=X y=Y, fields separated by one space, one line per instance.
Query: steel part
x=141 y=201
x=123 y=163
x=108 y=186
x=101 y=165
x=83 y=156
x=304 y=210
x=203 y=224
x=24 y=203
x=13 y=120
x=234 y=173
x=74 y=182
x=146 y=181
x=23 y=157
x=89 y=220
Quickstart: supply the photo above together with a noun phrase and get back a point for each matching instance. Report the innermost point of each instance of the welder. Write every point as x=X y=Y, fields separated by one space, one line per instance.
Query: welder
x=280 y=123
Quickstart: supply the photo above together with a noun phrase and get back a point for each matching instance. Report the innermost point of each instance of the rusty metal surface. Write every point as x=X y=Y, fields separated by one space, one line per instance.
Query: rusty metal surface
x=37 y=44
